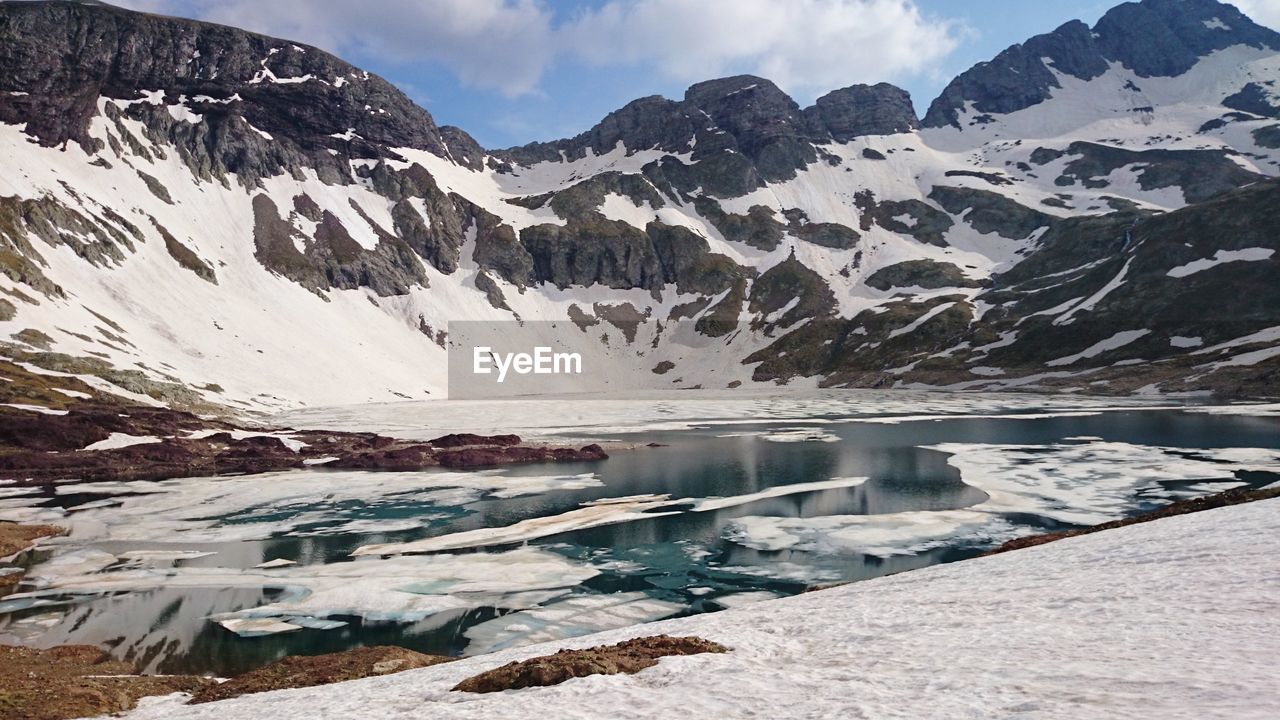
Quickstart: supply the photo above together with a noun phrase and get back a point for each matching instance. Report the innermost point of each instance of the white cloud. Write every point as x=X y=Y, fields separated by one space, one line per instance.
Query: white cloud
x=806 y=46
x=1263 y=12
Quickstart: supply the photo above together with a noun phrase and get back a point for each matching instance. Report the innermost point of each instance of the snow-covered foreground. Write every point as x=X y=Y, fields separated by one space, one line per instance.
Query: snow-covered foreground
x=1178 y=618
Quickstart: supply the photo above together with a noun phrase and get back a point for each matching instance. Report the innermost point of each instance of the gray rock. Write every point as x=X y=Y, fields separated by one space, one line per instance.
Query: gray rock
x=1154 y=38
x=861 y=110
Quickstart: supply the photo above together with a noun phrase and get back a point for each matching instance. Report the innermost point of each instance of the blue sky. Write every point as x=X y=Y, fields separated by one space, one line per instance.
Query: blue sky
x=515 y=71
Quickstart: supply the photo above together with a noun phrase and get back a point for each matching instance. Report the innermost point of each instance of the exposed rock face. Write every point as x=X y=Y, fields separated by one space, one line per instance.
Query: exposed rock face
x=628 y=657
x=792 y=289
x=688 y=263
x=928 y=274
x=1201 y=174
x=119 y=54
x=309 y=671
x=332 y=258
x=990 y=212
x=742 y=131
x=860 y=110
x=603 y=252
x=1153 y=38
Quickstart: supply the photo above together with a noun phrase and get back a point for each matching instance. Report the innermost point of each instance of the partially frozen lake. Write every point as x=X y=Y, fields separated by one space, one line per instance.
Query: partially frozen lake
x=748 y=497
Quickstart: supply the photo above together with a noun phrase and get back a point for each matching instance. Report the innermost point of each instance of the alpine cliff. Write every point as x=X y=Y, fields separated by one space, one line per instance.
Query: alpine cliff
x=203 y=217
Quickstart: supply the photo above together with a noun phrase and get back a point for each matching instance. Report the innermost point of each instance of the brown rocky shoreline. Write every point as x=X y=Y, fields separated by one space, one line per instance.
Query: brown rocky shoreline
x=50 y=448
x=48 y=420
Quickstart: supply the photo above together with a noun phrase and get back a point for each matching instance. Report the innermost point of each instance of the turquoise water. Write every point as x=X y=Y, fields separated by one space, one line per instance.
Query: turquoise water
x=697 y=561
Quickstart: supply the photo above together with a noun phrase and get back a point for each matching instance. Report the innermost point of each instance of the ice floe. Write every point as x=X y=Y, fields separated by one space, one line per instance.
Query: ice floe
x=553 y=417
x=1084 y=482
x=596 y=513
x=403 y=589
x=1089 y=483
x=256 y=507
x=257 y=628
x=571 y=617
x=591 y=514
x=787 y=435
x=905 y=533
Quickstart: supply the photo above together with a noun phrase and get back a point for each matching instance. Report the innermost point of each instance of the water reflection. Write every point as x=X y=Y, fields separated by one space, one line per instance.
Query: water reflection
x=683 y=558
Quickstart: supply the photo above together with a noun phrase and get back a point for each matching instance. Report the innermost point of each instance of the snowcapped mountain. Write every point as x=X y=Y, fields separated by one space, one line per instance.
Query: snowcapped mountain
x=195 y=215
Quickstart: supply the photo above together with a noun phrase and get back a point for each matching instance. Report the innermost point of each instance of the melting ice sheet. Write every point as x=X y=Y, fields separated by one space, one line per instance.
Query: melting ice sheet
x=571 y=617
x=608 y=511
x=257 y=507
x=1083 y=483
x=402 y=589
x=652 y=412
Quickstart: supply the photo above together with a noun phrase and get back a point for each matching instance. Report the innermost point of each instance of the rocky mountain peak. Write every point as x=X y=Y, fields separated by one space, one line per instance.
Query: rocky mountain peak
x=58 y=58
x=747 y=117
x=1151 y=38
x=859 y=110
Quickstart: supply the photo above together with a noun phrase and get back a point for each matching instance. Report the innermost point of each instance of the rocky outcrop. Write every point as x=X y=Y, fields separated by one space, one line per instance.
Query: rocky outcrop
x=759 y=228
x=592 y=252
x=990 y=212
x=861 y=110
x=739 y=132
x=927 y=274
x=1201 y=174
x=310 y=671
x=629 y=657
x=332 y=258
x=75 y=681
x=304 y=95
x=790 y=292
x=1153 y=38
x=912 y=217
x=16 y=538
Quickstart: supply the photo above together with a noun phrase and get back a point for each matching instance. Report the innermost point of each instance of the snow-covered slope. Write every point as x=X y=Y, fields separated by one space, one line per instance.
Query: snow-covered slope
x=1173 y=619
x=271 y=227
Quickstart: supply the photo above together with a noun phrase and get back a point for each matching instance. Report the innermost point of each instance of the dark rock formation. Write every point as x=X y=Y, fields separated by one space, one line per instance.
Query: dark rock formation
x=333 y=259
x=456 y=440
x=630 y=656
x=794 y=287
x=990 y=212
x=861 y=110
x=591 y=252
x=118 y=54
x=740 y=131
x=928 y=274
x=1202 y=174
x=1253 y=99
x=688 y=263
x=915 y=218
x=758 y=228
